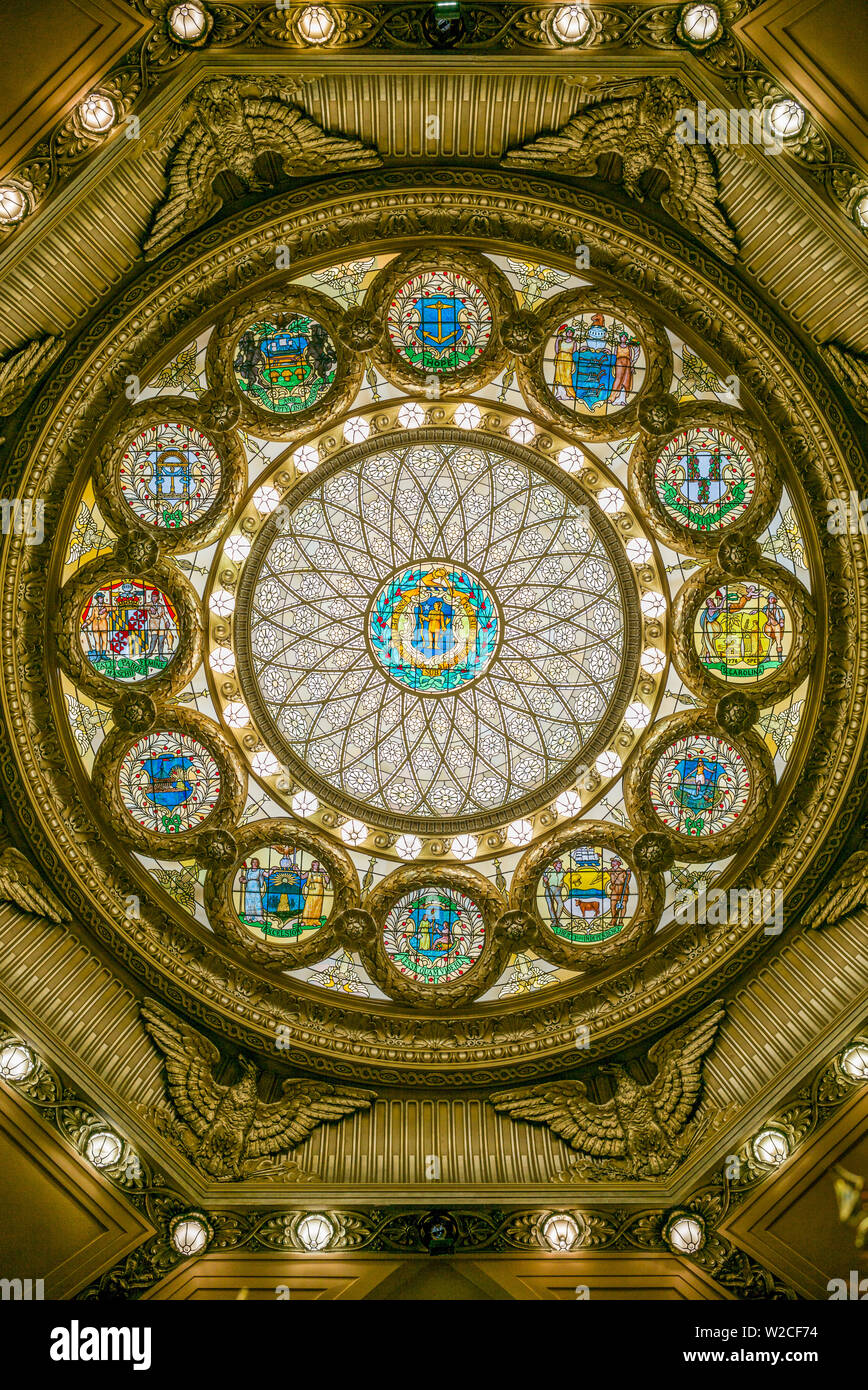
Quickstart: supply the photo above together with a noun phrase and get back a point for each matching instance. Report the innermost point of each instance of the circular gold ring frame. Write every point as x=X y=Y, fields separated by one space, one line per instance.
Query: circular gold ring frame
x=796 y=664
x=749 y=745
x=168 y=410
x=268 y=424
x=95 y=575
x=230 y=801
x=484 y=970
x=655 y=345
x=483 y=273
x=756 y=515
x=592 y=955
x=225 y=921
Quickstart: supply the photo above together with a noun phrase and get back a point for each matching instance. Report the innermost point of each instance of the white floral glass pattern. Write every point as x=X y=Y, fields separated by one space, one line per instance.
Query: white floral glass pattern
x=540 y=697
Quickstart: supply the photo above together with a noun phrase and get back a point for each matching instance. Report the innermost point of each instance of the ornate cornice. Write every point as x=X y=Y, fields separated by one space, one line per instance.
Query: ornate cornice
x=408 y=1228
x=519 y=34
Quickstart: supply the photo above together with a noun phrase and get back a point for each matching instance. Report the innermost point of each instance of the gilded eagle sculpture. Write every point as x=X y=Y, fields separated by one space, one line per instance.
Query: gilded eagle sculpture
x=22 y=885
x=227 y=125
x=646 y=133
x=227 y=1131
x=643 y=1130
x=845 y=894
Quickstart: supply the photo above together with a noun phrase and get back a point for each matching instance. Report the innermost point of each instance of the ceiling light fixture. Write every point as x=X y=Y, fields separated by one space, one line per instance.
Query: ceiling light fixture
x=97 y=113
x=561 y=1231
x=188 y=22
x=16 y=1062
x=315 y=24
x=786 y=118
x=571 y=23
x=14 y=204
x=699 y=24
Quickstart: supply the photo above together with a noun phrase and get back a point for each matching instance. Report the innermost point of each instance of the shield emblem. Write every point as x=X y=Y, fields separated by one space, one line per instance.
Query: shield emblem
x=439 y=329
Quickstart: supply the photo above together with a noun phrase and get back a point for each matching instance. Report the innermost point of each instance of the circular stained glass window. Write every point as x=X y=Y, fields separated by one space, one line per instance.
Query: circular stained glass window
x=129 y=630
x=433 y=627
x=700 y=785
x=439 y=321
x=705 y=479
x=285 y=366
x=587 y=894
x=282 y=892
x=169 y=475
x=486 y=676
x=594 y=364
x=743 y=632
x=434 y=934
x=169 y=783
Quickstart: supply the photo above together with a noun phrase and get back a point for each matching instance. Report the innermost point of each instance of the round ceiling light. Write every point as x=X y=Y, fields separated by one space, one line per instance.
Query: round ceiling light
x=188 y=22
x=13 y=203
x=97 y=113
x=571 y=23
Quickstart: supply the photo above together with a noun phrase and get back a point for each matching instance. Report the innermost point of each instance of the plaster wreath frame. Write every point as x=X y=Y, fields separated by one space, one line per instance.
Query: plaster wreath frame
x=494 y=356
x=759 y=511
x=485 y=969
x=104 y=570
x=686 y=285
x=218 y=886
x=687 y=605
x=277 y=301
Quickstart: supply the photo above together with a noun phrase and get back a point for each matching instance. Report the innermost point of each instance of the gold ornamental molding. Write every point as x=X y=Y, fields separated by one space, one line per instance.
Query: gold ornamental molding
x=147 y=322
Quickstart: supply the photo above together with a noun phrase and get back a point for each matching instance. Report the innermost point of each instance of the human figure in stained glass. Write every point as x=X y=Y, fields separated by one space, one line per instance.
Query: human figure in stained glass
x=314 y=894
x=619 y=889
x=774 y=624
x=433 y=635
x=553 y=879
x=626 y=357
x=159 y=626
x=252 y=881
x=698 y=779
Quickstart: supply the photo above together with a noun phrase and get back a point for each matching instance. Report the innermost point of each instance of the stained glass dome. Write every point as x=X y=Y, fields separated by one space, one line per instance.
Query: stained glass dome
x=438 y=629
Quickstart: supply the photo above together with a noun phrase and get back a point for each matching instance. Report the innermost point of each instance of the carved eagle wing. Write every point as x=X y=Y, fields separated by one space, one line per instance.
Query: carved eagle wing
x=303 y=145
x=190 y=198
x=190 y=1062
x=579 y=145
x=691 y=197
x=21 y=884
x=564 y=1107
x=285 y=1123
x=847 y=892
x=678 y=1057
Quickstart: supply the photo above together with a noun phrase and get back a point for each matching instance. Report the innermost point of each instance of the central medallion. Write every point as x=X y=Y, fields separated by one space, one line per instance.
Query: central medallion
x=433 y=628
